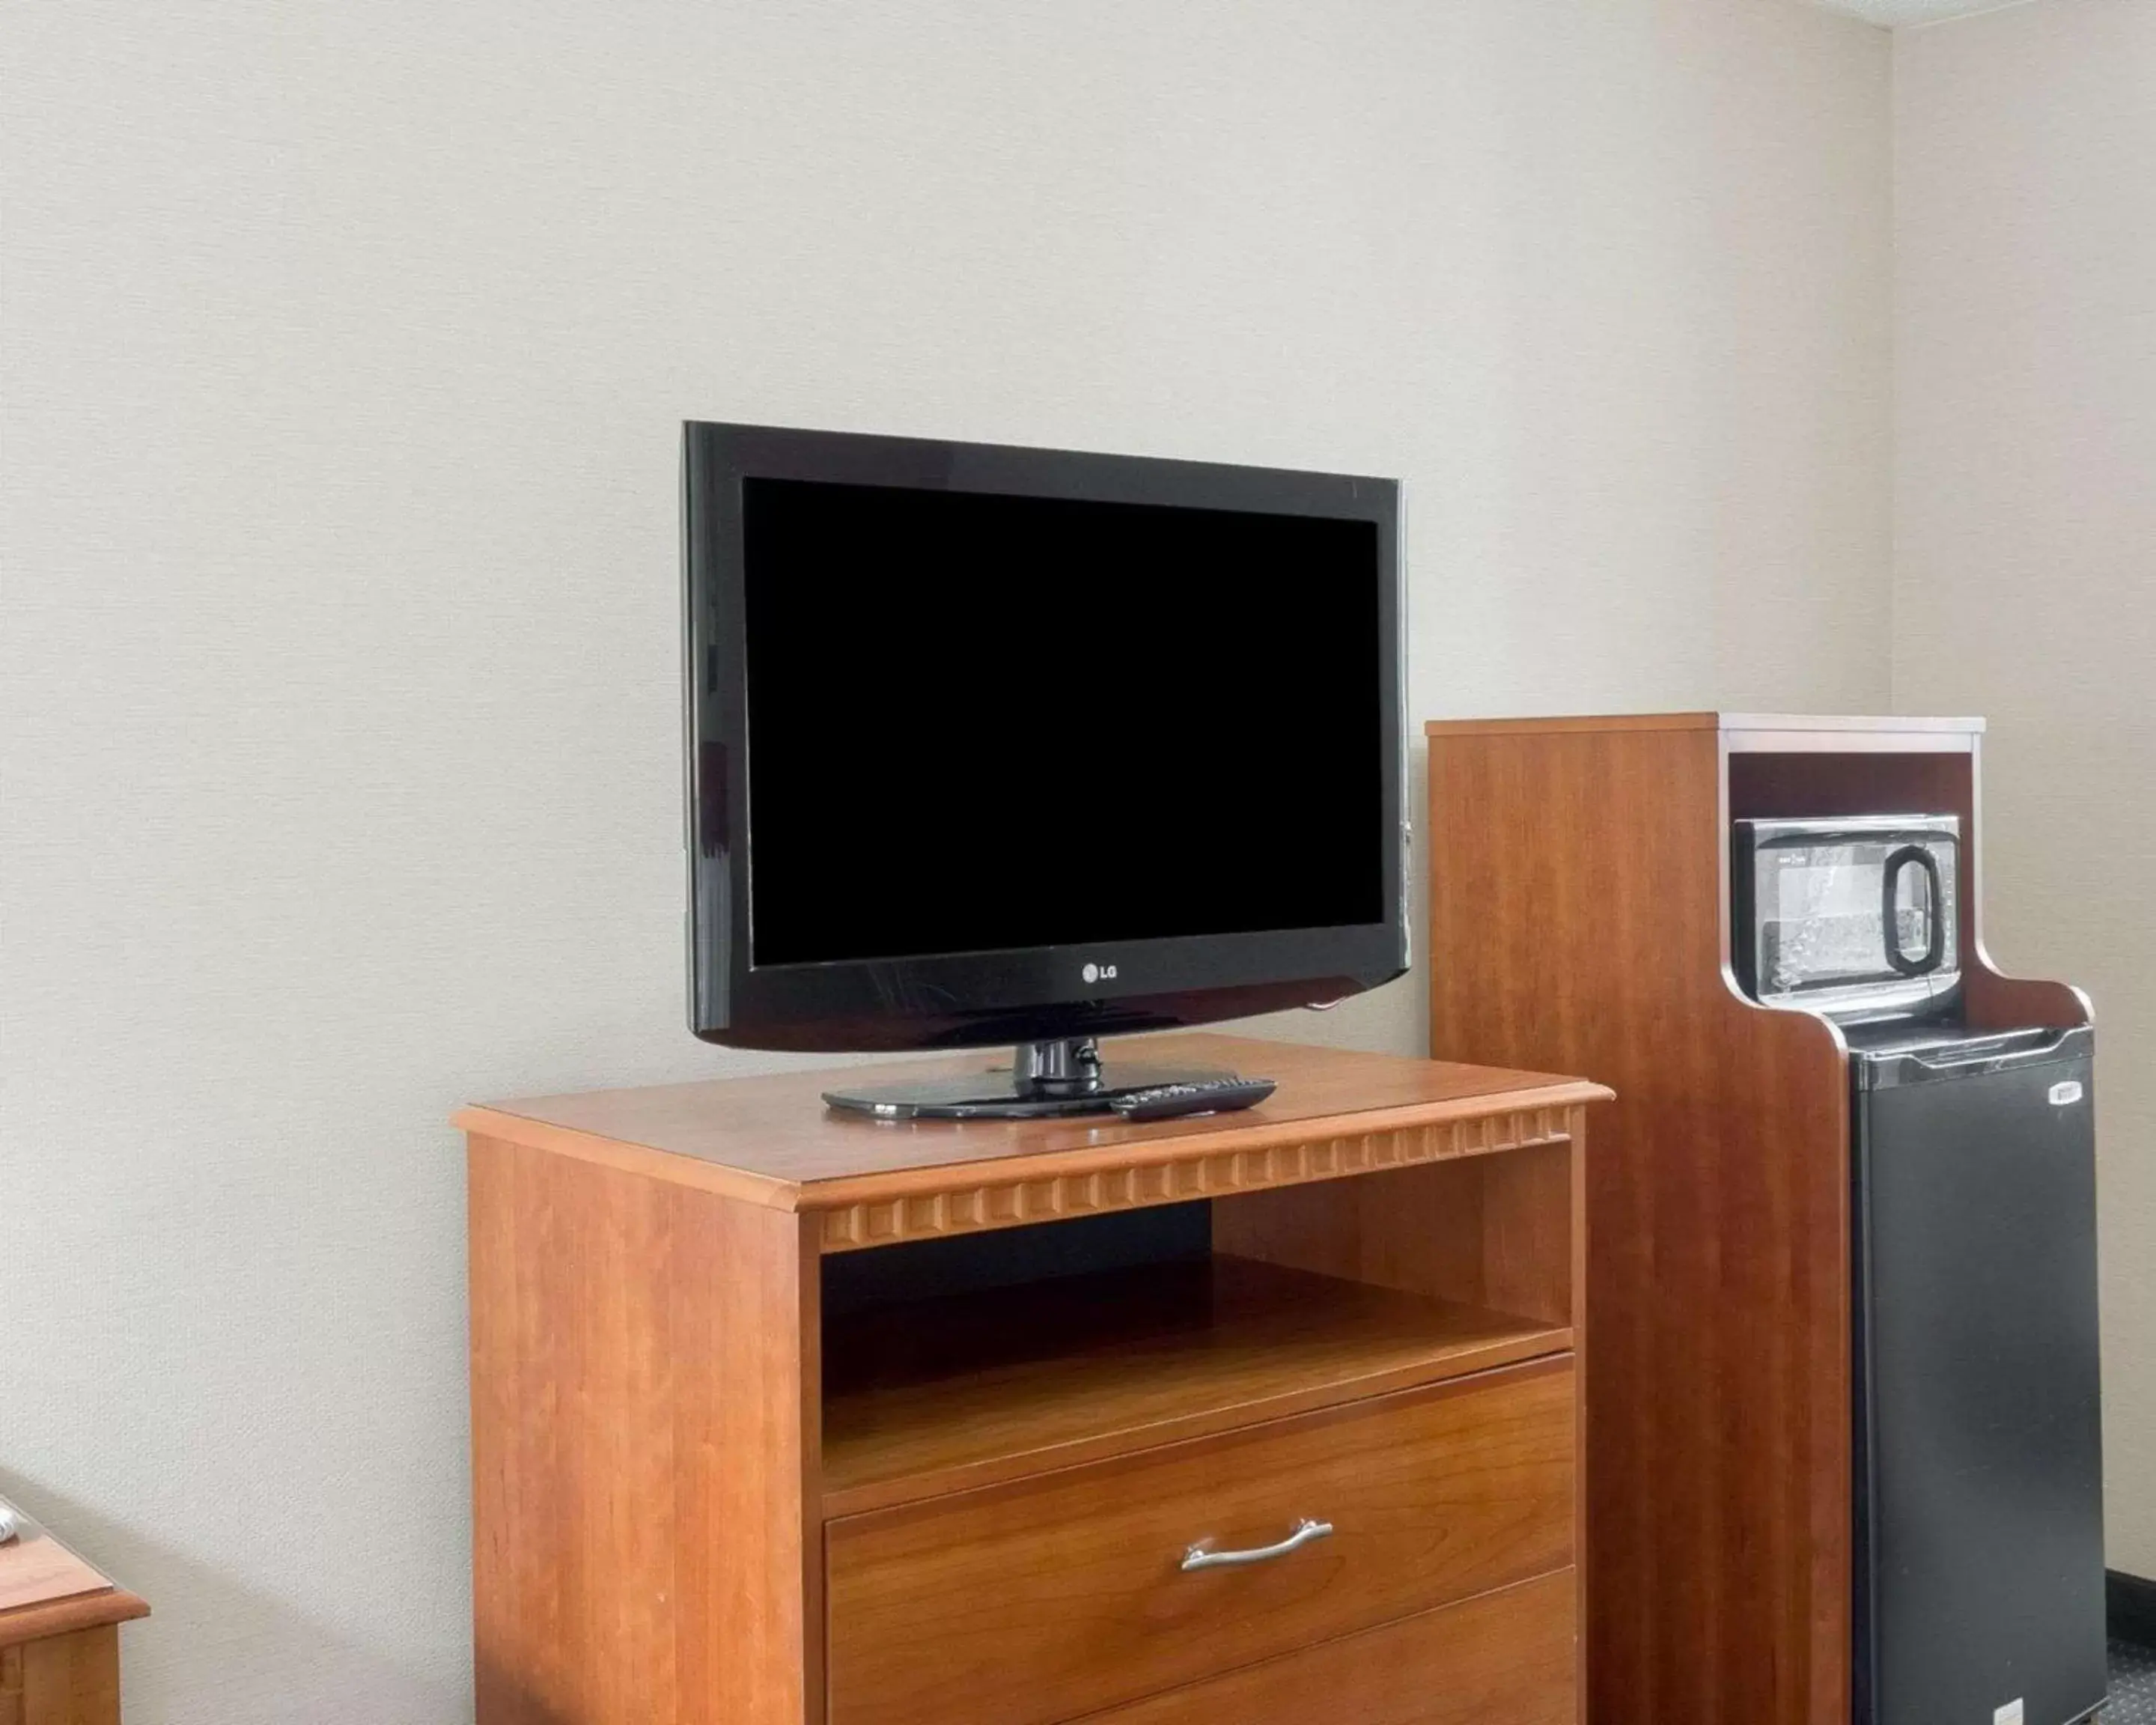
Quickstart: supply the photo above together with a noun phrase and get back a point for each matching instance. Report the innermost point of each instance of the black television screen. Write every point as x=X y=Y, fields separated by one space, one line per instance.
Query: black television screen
x=1056 y=720
x=995 y=744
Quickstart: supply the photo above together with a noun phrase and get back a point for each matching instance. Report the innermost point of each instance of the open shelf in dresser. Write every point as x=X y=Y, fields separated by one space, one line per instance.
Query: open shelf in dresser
x=946 y=1393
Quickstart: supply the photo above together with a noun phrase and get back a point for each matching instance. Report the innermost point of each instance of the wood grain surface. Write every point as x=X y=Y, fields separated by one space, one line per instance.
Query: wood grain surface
x=70 y=1678
x=644 y=1430
x=940 y=1395
x=1503 y=1658
x=771 y=1140
x=1493 y=1232
x=1576 y=914
x=1052 y=1597
x=36 y=1570
x=47 y=1591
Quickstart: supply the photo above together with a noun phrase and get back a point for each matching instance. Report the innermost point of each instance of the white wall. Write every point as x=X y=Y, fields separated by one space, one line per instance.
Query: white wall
x=345 y=351
x=2025 y=552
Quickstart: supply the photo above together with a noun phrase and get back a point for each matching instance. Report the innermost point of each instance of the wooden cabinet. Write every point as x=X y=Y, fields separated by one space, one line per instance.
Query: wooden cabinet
x=1579 y=907
x=59 y=1635
x=782 y=1417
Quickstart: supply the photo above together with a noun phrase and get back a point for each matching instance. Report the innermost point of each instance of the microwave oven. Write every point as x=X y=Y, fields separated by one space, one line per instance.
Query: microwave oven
x=1852 y=916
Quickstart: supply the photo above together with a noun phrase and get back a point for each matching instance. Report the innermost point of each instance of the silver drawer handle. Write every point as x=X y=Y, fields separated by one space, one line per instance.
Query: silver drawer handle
x=1199 y=1557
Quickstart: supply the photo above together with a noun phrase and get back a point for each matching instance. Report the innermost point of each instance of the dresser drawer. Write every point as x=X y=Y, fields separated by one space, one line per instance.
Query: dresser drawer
x=1052 y=1597
x=1505 y=1658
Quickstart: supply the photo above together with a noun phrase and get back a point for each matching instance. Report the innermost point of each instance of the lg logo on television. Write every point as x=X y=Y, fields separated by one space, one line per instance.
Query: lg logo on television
x=1099 y=972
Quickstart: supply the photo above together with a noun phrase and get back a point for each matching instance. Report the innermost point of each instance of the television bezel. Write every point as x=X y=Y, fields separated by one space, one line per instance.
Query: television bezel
x=969 y=999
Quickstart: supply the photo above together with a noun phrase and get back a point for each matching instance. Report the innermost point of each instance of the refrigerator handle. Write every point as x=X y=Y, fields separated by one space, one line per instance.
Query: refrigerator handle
x=2011 y=1057
x=1889 y=877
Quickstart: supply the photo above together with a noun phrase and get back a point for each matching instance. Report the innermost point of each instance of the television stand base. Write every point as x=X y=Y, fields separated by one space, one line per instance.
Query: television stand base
x=1044 y=1080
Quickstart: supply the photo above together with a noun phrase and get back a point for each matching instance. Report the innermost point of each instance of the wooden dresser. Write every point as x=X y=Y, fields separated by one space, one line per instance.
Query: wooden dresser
x=781 y=1416
x=59 y=1635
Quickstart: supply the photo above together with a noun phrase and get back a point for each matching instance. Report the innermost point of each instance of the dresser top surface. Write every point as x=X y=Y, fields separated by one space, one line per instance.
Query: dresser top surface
x=46 y=1589
x=773 y=1139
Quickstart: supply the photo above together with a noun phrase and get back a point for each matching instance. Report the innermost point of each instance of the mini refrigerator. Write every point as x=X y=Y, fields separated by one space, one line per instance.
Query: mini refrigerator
x=1978 y=1482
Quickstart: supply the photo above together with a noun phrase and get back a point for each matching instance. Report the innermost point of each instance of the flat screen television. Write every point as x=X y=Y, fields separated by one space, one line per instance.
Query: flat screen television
x=992 y=745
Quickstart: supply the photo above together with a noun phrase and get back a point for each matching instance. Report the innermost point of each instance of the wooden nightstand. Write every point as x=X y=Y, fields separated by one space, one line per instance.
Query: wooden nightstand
x=782 y=1417
x=59 y=1635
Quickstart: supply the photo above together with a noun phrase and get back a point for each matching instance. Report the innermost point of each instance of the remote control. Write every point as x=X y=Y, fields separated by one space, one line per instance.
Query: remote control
x=1204 y=1096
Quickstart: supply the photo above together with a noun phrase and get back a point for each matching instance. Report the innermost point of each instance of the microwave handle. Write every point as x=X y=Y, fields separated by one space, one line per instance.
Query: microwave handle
x=1889 y=875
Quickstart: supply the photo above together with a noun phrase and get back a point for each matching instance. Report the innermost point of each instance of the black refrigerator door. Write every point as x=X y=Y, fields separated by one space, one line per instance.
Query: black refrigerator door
x=1980 y=1460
